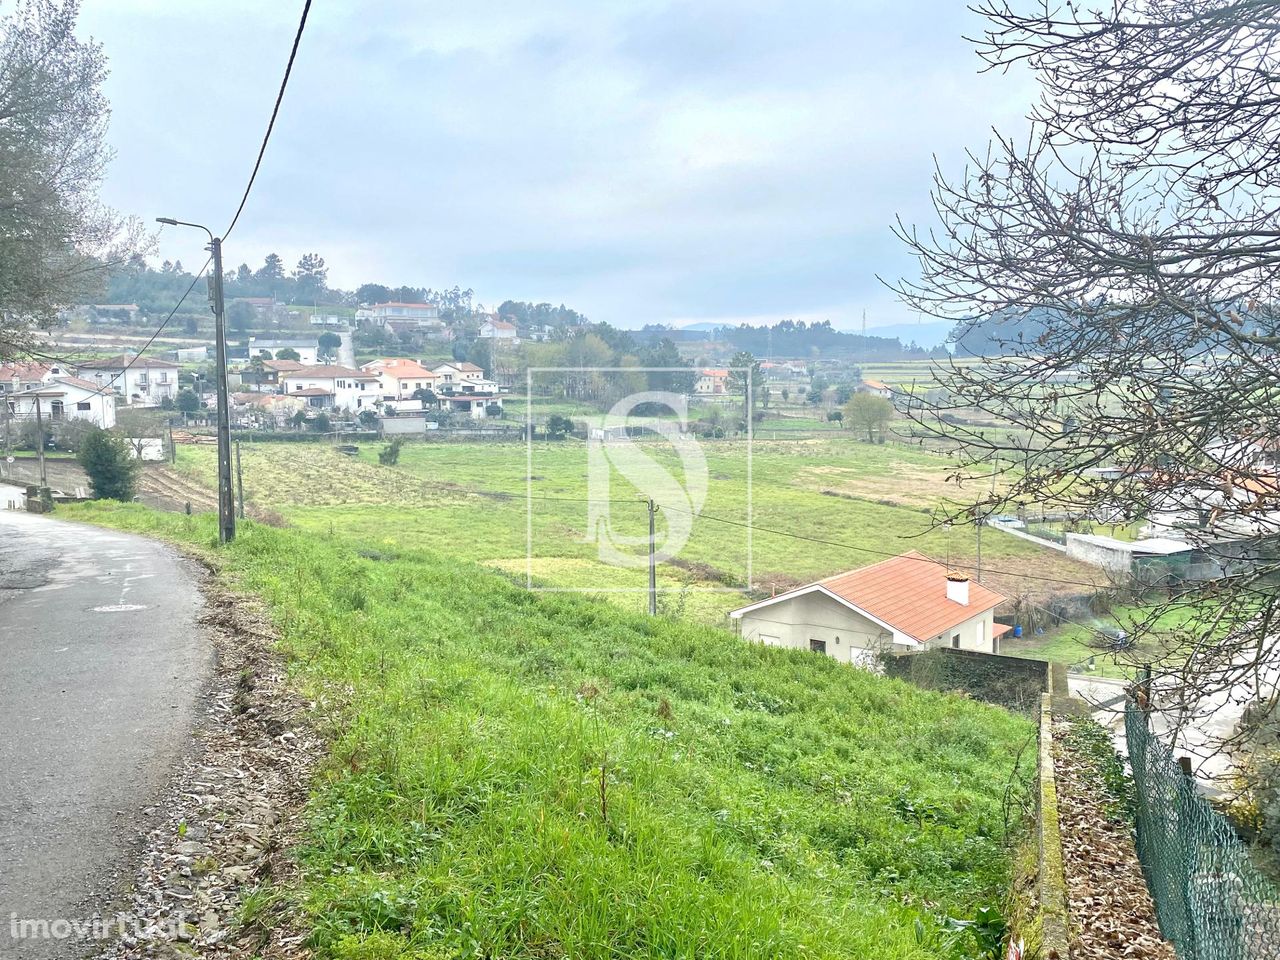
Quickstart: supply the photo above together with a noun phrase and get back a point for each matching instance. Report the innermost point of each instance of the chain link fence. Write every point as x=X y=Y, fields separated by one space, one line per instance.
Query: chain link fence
x=1211 y=901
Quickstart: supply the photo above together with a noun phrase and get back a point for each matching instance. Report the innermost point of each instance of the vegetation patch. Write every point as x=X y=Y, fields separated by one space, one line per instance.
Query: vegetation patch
x=525 y=775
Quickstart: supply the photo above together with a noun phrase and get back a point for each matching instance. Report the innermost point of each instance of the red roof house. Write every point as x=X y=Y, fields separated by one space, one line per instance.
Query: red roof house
x=906 y=602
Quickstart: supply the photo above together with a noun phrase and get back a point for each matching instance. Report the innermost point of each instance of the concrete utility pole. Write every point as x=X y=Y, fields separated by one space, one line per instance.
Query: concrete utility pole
x=44 y=482
x=239 y=482
x=226 y=494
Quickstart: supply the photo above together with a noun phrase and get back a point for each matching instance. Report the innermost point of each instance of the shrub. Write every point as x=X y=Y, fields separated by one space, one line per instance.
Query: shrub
x=105 y=458
x=321 y=423
x=389 y=455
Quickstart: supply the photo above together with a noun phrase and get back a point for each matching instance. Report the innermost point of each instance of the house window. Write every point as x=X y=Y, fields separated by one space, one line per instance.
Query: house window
x=83 y=405
x=955 y=641
x=55 y=409
x=818 y=646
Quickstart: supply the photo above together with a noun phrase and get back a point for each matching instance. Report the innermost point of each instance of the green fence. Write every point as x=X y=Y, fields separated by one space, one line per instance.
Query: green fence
x=1211 y=901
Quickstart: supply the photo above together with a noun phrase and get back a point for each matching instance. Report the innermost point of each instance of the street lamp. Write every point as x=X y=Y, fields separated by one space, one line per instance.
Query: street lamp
x=226 y=502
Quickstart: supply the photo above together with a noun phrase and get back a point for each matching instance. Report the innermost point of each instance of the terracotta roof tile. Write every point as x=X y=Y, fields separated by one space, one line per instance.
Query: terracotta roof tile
x=909 y=593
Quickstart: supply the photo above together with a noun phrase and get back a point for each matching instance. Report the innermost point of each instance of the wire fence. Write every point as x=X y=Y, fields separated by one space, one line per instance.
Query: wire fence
x=1211 y=901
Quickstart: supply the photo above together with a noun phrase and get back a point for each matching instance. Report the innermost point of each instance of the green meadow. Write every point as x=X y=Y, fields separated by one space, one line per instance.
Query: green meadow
x=862 y=501
x=526 y=775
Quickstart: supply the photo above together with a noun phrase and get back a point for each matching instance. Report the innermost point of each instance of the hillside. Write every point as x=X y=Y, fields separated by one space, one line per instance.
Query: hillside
x=525 y=775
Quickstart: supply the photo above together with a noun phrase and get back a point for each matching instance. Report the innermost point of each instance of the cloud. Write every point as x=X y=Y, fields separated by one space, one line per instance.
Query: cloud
x=639 y=161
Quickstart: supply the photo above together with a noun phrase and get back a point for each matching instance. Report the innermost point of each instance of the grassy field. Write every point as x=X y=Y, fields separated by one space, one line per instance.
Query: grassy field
x=528 y=776
x=1075 y=644
x=469 y=499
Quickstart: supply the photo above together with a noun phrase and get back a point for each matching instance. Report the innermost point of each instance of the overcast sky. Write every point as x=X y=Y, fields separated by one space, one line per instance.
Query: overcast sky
x=638 y=161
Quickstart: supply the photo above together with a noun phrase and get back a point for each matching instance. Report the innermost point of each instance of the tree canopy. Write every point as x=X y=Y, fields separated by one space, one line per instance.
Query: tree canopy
x=56 y=238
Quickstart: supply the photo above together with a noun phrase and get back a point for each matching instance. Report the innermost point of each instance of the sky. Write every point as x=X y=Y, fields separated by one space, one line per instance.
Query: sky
x=639 y=161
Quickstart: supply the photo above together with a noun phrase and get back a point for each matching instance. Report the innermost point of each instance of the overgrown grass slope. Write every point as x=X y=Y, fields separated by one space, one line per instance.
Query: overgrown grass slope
x=524 y=775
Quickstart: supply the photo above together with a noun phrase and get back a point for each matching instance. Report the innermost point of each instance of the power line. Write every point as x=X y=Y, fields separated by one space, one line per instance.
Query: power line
x=164 y=323
x=293 y=53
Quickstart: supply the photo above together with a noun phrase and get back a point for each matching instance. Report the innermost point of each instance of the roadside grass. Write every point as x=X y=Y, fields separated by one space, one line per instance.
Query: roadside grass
x=528 y=776
x=469 y=499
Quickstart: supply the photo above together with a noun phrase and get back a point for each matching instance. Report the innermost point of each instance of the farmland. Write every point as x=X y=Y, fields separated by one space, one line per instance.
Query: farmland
x=524 y=775
x=862 y=501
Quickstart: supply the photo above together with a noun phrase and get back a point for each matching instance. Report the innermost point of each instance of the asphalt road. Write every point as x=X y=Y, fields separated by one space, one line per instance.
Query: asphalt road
x=101 y=666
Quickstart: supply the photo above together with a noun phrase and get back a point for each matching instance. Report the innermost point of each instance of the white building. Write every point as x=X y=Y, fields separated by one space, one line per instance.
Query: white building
x=899 y=605
x=496 y=329
x=140 y=381
x=416 y=313
x=65 y=398
x=876 y=388
x=461 y=376
x=474 y=405
x=332 y=387
x=399 y=378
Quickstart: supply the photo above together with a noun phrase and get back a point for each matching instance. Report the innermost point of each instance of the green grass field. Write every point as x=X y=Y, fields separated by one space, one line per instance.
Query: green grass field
x=469 y=499
x=535 y=776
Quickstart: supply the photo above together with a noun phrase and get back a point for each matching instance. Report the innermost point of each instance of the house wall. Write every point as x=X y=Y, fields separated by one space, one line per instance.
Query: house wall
x=140 y=385
x=974 y=633
x=100 y=408
x=348 y=393
x=849 y=636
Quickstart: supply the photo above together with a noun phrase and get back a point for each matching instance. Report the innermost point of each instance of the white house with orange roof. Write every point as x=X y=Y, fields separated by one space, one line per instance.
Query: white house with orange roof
x=495 y=328
x=905 y=603
x=876 y=388
x=399 y=378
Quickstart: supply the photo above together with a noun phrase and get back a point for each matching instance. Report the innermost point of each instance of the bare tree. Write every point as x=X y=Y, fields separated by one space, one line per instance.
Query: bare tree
x=1120 y=266
x=56 y=239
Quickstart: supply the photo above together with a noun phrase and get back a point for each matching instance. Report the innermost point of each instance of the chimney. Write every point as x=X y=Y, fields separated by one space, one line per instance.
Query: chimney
x=958 y=588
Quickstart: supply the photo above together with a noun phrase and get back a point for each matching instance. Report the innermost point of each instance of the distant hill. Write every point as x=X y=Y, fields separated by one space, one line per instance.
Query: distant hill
x=929 y=334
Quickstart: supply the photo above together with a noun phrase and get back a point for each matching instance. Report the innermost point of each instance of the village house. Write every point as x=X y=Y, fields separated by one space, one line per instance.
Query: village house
x=461 y=376
x=141 y=381
x=474 y=405
x=265 y=308
x=64 y=398
x=494 y=328
x=264 y=375
x=876 y=388
x=393 y=312
x=711 y=383
x=329 y=386
x=15 y=377
x=904 y=604
x=399 y=377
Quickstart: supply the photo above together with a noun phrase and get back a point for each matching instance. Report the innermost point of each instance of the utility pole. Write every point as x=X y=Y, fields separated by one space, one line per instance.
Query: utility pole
x=226 y=495
x=653 y=570
x=40 y=441
x=239 y=481
x=226 y=504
